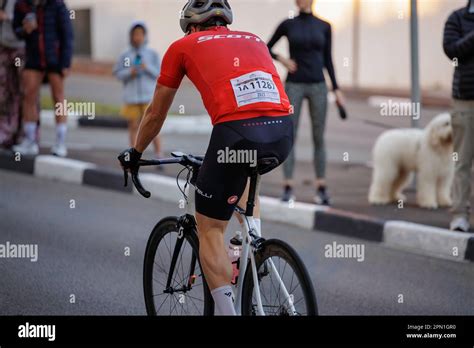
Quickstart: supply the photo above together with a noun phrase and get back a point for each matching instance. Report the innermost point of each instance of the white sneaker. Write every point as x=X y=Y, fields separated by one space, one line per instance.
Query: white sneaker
x=26 y=148
x=460 y=224
x=59 y=150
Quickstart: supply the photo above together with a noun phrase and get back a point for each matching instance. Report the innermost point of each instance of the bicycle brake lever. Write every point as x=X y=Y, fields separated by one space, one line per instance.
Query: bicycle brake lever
x=138 y=185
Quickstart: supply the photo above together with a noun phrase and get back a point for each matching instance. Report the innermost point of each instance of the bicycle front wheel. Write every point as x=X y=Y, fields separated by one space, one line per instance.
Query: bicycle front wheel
x=173 y=281
x=285 y=286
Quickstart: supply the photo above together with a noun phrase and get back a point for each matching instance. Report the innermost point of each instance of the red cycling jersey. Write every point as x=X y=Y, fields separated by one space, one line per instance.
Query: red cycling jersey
x=232 y=70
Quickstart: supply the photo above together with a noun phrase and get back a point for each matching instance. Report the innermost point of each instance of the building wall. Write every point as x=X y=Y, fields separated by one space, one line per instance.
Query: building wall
x=384 y=34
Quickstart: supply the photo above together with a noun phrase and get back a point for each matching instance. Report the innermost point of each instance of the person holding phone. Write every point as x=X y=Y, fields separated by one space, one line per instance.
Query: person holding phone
x=138 y=68
x=310 y=42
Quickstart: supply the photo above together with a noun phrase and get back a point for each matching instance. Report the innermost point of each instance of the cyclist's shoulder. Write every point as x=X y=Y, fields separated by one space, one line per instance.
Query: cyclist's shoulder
x=178 y=43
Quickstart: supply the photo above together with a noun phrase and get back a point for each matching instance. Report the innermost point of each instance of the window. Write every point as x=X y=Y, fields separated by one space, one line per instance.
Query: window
x=82 y=33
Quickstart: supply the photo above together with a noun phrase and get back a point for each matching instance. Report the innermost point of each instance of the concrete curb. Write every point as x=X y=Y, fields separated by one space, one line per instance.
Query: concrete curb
x=200 y=124
x=411 y=237
x=427 y=240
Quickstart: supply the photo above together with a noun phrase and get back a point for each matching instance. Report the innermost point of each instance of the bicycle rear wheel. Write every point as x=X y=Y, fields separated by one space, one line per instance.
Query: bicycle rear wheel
x=184 y=291
x=285 y=286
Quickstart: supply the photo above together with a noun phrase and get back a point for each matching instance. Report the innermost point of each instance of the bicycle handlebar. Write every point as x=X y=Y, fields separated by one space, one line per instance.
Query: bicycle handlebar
x=179 y=158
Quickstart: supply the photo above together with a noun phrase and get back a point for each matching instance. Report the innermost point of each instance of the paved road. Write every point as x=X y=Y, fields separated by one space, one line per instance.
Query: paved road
x=81 y=252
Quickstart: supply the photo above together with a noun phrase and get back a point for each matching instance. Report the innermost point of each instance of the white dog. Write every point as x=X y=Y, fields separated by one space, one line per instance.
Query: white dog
x=399 y=152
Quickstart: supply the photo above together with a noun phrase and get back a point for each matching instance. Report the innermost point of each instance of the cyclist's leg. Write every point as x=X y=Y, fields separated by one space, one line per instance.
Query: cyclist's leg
x=218 y=188
x=215 y=262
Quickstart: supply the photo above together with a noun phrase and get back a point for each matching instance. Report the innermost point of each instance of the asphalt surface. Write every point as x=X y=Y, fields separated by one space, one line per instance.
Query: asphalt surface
x=81 y=252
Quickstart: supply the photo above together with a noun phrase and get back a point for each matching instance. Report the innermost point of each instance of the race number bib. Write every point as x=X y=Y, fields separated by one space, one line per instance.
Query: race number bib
x=255 y=87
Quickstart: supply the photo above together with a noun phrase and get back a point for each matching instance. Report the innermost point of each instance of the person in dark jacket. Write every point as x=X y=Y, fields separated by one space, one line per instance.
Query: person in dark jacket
x=46 y=27
x=458 y=44
x=310 y=42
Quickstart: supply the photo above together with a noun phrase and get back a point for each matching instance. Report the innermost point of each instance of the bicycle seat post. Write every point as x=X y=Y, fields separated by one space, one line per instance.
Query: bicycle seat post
x=252 y=192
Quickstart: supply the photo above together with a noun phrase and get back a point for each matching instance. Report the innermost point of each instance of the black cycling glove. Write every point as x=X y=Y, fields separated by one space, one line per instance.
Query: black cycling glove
x=129 y=159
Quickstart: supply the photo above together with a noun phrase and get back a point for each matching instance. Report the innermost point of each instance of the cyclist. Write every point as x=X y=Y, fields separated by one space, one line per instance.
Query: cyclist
x=249 y=110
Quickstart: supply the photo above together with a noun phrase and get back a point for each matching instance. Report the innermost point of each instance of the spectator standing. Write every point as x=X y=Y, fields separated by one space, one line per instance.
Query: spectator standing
x=458 y=44
x=310 y=41
x=46 y=27
x=11 y=60
x=138 y=68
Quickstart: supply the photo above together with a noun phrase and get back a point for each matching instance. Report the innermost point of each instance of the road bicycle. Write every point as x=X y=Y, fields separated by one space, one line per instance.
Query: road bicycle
x=272 y=278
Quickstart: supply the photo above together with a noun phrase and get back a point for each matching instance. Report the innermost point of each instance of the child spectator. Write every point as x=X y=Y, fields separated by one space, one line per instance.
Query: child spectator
x=138 y=68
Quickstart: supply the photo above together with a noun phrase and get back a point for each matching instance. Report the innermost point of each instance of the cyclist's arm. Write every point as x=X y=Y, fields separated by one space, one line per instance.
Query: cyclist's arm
x=155 y=116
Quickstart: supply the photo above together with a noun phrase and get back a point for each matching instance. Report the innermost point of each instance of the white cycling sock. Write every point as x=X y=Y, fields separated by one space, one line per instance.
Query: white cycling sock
x=223 y=300
x=30 y=131
x=61 y=130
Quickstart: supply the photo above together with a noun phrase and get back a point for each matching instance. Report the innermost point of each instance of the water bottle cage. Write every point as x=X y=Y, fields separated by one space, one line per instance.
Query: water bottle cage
x=257 y=243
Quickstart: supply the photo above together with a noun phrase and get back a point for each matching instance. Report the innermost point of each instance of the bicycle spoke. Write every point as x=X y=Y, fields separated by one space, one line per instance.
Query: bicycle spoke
x=162 y=284
x=272 y=292
x=194 y=298
x=162 y=303
x=160 y=268
x=160 y=257
x=194 y=304
x=160 y=294
x=186 y=276
x=175 y=304
x=292 y=291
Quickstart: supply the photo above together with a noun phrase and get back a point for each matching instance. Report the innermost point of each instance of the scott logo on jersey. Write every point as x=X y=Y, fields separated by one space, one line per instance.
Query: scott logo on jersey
x=205 y=38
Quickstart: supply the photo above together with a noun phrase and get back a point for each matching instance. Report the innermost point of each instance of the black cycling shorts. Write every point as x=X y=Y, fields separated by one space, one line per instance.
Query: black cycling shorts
x=233 y=150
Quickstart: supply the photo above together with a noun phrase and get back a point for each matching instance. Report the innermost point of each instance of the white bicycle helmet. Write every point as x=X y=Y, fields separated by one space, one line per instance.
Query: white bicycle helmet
x=200 y=11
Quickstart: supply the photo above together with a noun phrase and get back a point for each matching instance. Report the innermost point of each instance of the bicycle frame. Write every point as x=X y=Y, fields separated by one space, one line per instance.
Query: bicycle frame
x=249 y=234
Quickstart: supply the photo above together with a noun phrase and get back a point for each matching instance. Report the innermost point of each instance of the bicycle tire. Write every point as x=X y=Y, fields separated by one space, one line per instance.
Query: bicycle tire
x=277 y=248
x=162 y=229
